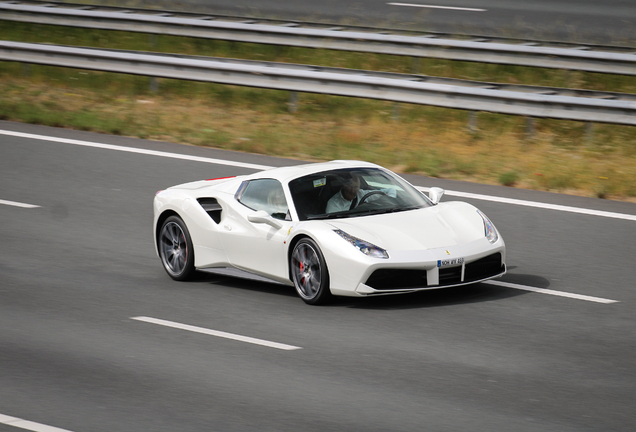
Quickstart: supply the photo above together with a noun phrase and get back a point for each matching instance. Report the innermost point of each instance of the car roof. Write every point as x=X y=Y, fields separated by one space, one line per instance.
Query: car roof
x=286 y=174
x=282 y=174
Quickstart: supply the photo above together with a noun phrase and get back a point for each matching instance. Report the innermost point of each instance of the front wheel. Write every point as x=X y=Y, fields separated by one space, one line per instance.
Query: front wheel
x=175 y=249
x=309 y=272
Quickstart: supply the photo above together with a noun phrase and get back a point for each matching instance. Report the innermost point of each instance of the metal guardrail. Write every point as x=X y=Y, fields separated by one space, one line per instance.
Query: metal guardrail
x=613 y=60
x=468 y=95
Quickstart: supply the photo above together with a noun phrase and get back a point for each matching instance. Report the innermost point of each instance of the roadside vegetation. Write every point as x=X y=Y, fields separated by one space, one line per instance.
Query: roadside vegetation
x=560 y=156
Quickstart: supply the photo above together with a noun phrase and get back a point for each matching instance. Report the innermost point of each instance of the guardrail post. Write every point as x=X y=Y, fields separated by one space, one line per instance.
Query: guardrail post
x=154 y=82
x=293 y=102
x=415 y=65
x=472 y=121
x=395 y=113
x=26 y=70
x=530 y=127
x=589 y=132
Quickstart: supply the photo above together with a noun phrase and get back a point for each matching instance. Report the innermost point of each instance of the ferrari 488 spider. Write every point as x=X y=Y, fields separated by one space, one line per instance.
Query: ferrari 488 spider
x=342 y=228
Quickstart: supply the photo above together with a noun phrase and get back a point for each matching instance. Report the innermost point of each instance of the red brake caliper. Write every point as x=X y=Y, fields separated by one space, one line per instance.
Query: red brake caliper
x=302 y=268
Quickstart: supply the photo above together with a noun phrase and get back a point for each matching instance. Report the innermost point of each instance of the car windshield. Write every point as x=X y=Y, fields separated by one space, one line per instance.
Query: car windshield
x=353 y=192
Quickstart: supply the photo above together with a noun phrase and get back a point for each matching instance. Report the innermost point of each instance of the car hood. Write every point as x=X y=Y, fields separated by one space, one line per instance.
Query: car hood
x=444 y=225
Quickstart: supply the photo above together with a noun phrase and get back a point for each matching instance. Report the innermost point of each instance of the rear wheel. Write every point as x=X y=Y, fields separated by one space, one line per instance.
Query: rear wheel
x=309 y=272
x=175 y=249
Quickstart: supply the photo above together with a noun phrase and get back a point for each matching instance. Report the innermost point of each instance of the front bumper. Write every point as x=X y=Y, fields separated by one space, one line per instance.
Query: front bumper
x=397 y=280
x=410 y=271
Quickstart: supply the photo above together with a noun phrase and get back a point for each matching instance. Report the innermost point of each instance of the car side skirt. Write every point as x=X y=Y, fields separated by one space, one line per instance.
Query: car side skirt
x=235 y=272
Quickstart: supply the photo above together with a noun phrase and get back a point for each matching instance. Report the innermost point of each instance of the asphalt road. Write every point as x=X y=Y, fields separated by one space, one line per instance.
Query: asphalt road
x=585 y=21
x=76 y=270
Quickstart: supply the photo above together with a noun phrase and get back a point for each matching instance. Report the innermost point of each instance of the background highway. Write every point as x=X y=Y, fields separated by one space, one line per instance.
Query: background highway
x=586 y=21
x=75 y=271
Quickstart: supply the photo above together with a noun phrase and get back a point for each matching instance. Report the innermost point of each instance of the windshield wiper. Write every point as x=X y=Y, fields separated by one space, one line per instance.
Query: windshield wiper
x=329 y=216
x=347 y=214
x=387 y=210
x=401 y=209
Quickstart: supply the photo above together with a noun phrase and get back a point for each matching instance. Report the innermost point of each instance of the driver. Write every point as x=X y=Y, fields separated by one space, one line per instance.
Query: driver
x=350 y=194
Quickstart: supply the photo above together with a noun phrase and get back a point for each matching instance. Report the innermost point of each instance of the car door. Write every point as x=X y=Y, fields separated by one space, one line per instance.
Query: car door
x=259 y=245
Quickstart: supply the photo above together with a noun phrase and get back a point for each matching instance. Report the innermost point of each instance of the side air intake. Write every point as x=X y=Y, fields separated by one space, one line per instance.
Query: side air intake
x=212 y=207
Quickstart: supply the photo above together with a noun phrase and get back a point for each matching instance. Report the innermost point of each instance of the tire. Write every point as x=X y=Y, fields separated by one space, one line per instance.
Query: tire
x=175 y=249
x=309 y=273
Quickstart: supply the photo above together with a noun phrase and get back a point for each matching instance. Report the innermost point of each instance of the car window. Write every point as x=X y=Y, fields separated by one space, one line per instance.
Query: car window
x=386 y=192
x=265 y=194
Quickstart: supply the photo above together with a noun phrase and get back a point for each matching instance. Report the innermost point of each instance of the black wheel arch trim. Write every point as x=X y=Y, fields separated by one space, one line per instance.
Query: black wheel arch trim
x=160 y=220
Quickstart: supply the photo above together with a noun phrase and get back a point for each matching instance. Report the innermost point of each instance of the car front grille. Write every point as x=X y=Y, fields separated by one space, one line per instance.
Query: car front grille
x=483 y=268
x=395 y=279
x=450 y=275
x=387 y=279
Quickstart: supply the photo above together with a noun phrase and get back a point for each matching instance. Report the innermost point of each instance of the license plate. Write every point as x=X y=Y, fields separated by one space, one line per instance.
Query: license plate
x=450 y=262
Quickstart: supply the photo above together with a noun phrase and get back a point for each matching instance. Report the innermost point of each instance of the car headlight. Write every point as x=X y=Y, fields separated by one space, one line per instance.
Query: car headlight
x=489 y=228
x=363 y=246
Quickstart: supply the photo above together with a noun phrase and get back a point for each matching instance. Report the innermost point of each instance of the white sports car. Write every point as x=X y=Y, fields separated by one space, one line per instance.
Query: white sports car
x=344 y=228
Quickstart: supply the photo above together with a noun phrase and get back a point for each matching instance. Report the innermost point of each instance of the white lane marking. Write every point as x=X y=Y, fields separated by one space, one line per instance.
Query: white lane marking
x=265 y=167
x=437 y=7
x=536 y=204
x=551 y=292
x=135 y=150
x=18 y=204
x=28 y=425
x=216 y=333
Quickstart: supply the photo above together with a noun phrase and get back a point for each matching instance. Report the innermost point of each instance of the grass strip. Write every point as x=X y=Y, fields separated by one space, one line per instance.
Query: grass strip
x=560 y=156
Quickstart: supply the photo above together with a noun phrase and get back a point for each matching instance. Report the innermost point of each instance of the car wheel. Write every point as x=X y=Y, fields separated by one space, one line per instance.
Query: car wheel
x=309 y=272
x=175 y=249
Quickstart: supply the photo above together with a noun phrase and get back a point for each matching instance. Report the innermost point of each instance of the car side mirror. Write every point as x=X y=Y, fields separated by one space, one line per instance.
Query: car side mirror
x=262 y=216
x=435 y=194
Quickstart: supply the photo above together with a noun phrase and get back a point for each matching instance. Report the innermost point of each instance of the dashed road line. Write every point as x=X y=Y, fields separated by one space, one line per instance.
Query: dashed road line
x=28 y=425
x=18 y=204
x=216 y=333
x=438 y=7
x=551 y=292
